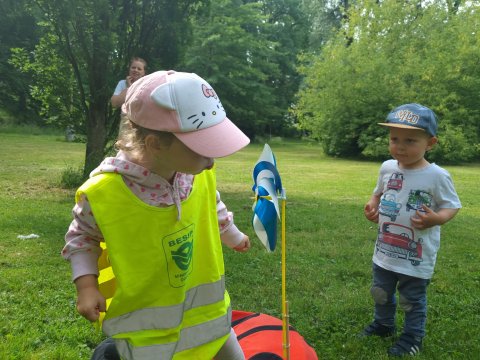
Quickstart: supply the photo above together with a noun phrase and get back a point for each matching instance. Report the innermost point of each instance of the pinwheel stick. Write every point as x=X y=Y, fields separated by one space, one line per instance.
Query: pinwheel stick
x=285 y=316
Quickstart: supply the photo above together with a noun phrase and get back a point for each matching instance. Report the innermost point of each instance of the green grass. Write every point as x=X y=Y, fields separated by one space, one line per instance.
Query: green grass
x=329 y=248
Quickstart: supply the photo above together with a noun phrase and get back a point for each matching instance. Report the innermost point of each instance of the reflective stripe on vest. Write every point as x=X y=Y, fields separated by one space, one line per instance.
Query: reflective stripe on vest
x=196 y=336
x=166 y=317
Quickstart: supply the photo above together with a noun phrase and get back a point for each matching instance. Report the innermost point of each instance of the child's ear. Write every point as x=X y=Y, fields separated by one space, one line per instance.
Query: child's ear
x=152 y=142
x=431 y=141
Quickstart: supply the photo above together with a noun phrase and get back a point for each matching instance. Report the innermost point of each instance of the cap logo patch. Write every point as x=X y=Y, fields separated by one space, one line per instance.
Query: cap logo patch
x=407 y=116
x=208 y=92
x=194 y=100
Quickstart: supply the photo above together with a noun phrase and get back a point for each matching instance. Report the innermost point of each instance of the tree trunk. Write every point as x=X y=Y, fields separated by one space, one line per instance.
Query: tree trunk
x=98 y=67
x=96 y=138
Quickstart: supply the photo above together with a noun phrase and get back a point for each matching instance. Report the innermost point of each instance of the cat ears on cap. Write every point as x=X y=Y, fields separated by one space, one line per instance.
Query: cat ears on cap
x=164 y=94
x=161 y=96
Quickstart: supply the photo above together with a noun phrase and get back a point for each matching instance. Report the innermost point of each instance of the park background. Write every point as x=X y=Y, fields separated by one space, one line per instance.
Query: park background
x=312 y=78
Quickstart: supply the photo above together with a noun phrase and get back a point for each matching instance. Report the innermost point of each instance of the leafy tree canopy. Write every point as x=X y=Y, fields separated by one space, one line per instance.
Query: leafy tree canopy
x=246 y=49
x=389 y=53
x=84 y=51
x=17 y=28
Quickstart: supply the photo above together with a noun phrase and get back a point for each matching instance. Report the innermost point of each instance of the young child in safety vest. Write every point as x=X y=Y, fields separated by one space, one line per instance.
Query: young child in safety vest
x=156 y=208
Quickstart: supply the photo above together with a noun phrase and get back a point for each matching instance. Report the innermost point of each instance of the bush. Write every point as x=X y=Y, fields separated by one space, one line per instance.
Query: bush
x=72 y=178
x=454 y=147
x=390 y=53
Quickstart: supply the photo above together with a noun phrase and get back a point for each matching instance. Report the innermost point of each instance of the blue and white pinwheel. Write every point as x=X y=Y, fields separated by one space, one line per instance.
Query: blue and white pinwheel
x=267 y=187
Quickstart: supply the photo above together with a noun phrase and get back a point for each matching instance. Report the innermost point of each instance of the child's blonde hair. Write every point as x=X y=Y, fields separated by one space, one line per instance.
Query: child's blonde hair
x=131 y=138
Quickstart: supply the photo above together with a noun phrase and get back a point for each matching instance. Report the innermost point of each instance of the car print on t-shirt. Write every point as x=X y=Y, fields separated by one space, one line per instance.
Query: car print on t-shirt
x=398 y=241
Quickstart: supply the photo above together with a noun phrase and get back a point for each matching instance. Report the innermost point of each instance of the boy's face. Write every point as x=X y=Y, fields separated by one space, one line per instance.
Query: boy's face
x=408 y=147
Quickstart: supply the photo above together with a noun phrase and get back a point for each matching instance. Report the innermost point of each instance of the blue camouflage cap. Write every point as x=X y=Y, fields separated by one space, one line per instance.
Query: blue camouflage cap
x=413 y=116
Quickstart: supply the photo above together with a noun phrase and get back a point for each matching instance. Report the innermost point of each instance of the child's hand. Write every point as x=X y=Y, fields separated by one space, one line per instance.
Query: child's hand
x=90 y=302
x=424 y=220
x=429 y=218
x=244 y=246
x=371 y=212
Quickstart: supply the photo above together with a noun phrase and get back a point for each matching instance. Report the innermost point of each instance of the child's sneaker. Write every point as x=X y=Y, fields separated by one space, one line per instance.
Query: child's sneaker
x=406 y=345
x=378 y=329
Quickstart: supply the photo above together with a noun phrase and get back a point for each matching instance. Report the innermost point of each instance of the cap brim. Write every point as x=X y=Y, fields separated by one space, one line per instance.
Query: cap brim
x=216 y=141
x=403 y=126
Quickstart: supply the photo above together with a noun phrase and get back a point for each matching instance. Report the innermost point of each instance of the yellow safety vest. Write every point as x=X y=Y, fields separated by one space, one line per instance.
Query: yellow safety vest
x=168 y=297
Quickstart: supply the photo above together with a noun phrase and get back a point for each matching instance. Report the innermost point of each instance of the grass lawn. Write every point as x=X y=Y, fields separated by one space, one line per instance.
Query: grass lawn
x=329 y=249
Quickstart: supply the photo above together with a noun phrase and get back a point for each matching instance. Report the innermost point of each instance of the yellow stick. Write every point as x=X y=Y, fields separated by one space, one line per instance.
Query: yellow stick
x=285 y=316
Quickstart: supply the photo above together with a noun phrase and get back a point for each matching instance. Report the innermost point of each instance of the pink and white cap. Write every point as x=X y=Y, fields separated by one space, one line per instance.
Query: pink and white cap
x=187 y=106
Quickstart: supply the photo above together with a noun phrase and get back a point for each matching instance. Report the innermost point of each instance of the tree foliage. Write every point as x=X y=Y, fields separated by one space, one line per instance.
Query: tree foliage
x=17 y=28
x=247 y=51
x=324 y=18
x=230 y=49
x=359 y=59
x=52 y=83
x=84 y=51
x=389 y=53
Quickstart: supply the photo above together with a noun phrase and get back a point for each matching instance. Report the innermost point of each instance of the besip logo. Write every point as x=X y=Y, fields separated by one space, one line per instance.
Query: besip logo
x=183 y=255
x=178 y=249
x=407 y=116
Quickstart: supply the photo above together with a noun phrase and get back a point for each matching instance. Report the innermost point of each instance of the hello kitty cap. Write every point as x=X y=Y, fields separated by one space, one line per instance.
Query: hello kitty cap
x=187 y=106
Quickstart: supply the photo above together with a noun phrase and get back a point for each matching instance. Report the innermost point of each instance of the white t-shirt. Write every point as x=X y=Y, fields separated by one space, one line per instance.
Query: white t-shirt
x=400 y=247
x=122 y=85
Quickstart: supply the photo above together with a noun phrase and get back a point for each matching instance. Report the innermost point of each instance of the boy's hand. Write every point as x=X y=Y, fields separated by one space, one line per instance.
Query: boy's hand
x=429 y=218
x=90 y=302
x=244 y=246
x=371 y=212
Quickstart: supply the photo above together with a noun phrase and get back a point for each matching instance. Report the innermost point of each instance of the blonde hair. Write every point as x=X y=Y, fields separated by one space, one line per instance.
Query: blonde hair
x=131 y=138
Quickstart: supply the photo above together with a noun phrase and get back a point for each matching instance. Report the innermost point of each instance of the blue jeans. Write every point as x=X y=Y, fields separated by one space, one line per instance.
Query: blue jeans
x=412 y=299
